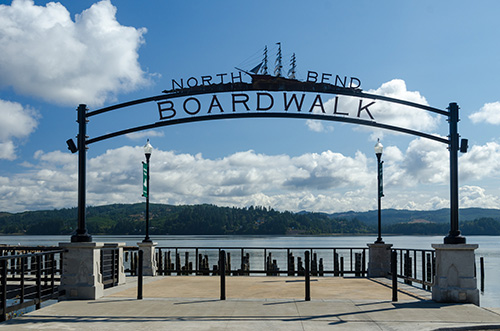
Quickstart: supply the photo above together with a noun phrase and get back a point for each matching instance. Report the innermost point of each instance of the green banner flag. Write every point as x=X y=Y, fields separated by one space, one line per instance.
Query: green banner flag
x=144 y=180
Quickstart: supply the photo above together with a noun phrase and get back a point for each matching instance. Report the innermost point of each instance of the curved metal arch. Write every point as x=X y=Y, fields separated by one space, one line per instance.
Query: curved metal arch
x=274 y=85
x=268 y=115
x=242 y=87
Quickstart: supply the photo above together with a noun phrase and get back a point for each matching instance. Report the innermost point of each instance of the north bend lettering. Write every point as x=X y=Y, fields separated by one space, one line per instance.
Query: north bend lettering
x=245 y=77
x=224 y=78
x=260 y=102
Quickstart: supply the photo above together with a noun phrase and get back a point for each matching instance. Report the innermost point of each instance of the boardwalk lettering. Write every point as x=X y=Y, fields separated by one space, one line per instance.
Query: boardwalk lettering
x=263 y=101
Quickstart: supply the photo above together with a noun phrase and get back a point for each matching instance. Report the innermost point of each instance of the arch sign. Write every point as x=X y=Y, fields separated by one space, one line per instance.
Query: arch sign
x=251 y=95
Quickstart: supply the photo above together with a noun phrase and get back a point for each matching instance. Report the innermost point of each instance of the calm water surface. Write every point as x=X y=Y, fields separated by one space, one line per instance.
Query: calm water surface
x=489 y=248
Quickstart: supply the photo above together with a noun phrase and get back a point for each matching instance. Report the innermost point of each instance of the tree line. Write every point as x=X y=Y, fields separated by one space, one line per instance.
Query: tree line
x=205 y=219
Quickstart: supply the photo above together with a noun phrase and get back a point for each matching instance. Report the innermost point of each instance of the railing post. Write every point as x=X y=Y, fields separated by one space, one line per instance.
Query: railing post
x=363 y=263
x=52 y=273
x=394 y=274
x=423 y=269
x=45 y=267
x=114 y=276
x=101 y=259
x=3 y=266
x=133 y=263
x=23 y=269
x=242 y=265
x=414 y=272
x=429 y=269
x=38 y=281
x=222 y=272
x=265 y=260
x=341 y=266
x=335 y=263
x=139 y=277
x=308 y=276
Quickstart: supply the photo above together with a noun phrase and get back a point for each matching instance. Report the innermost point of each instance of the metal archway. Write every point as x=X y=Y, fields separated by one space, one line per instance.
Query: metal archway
x=275 y=84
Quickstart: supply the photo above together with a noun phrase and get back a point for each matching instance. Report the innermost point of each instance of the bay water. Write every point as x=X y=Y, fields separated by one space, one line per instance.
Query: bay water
x=489 y=248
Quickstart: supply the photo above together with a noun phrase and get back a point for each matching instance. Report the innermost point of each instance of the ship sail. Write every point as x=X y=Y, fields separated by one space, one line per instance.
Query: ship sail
x=260 y=70
x=256 y=69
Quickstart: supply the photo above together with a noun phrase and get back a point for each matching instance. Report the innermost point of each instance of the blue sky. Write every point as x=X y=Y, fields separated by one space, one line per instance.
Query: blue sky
x=58 y=55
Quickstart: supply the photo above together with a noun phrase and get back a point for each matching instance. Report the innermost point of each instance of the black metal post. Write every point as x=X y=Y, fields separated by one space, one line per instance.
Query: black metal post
x=81 y=234
x=147 y=239
x=380 y=195
x=222 y=272
x=394 y=272
x=481 y=265
x=139 y=276
x=308 y=276
x=454 y=236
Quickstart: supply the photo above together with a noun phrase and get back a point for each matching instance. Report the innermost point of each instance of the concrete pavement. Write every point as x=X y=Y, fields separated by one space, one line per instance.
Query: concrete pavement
x=258 y=303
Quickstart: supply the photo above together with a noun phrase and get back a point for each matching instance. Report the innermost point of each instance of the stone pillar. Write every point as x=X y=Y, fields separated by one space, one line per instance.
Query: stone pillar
x=455 y=280
x=379 y=263
x=149 y=258
x=121 y=270
x=81 y=270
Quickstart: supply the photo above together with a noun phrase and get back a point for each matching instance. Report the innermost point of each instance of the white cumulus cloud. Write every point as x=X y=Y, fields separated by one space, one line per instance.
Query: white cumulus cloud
x=424 y=162
x=144 y=134
x=386 y=112
x=475 y=196
x=481 y=162
x=17 y=122
x=399 y=115
x=88 y=60
x=415 y=178
x=489 y=113
x=318 y=126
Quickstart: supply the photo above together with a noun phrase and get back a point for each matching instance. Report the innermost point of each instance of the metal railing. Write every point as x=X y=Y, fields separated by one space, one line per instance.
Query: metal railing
x=131 y=260
x=416 y=266
x=254 y=261
x=110 y=259
x=28 y=279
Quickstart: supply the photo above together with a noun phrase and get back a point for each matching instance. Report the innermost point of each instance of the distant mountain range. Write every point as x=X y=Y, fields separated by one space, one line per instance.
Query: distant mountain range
x=392 y=216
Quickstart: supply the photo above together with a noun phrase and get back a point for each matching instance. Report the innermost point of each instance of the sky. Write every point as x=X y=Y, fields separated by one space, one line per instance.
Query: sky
x=57 y=55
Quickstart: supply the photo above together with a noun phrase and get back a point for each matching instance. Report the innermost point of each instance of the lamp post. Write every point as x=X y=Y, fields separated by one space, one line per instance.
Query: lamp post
x=147 y=152
x=378 y=151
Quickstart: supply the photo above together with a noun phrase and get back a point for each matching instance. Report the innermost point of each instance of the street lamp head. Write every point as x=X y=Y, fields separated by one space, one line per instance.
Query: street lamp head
x=148 y=149
x=378 y=148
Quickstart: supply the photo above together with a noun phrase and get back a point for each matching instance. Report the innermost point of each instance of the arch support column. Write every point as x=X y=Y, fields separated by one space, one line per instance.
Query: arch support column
x=454 y=236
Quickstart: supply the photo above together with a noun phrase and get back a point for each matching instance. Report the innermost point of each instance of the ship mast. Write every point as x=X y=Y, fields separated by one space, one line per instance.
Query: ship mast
x=264 y=67
x=293 y=66
x=279 y=65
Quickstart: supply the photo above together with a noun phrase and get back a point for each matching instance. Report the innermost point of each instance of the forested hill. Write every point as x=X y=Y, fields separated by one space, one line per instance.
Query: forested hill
x=166 y=219
x=123 y=219
x=392 y=216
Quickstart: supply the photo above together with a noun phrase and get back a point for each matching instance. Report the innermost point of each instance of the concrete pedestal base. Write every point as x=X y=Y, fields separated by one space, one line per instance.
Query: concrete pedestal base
x=149 y=258
x=379 y=263
x=81 y=270
x=455 y=280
